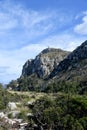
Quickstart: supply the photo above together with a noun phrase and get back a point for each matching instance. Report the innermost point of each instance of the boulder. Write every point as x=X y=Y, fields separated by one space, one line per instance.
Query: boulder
x=12 y=105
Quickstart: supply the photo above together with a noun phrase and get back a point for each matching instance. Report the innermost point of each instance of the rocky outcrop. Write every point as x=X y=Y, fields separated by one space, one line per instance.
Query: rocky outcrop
x=12 y=105
x=73 y=60
x=44 y=63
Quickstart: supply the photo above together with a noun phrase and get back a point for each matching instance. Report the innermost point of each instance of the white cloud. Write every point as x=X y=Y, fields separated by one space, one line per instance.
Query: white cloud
x=20 y=28
x=19 y=20
x=82 y=27
x=30 y=21
x=6 y=22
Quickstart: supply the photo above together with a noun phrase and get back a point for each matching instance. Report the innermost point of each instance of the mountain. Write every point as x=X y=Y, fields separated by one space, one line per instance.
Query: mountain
x=73 y=60
x=36 y=71
x=56 y=70
x=44 y=63
x=73 y=69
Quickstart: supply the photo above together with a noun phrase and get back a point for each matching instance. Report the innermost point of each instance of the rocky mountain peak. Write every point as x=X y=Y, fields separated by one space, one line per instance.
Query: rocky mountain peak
x=50 y=50
x=44 y=63
x=46 y=50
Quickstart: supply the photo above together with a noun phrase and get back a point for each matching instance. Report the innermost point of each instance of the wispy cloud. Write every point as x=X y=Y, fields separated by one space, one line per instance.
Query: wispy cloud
x=81 y=27
x=27 y=20
x=20 y=25
x=24 y=32
x=3 y=69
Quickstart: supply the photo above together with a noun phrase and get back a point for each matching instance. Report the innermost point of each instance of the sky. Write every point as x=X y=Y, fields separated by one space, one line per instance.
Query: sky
x=29 y=26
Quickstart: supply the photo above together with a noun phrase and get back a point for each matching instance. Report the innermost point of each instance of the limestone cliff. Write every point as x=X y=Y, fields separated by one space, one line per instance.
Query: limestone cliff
x=44 y=63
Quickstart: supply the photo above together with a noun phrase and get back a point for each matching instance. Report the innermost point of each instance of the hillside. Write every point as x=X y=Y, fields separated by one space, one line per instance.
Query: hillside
x=36 y=71
x=73 y=69
x=74 y=60
x=54 y=69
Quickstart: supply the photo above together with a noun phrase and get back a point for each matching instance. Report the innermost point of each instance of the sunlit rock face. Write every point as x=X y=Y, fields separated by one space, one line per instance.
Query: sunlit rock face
x=44 y=63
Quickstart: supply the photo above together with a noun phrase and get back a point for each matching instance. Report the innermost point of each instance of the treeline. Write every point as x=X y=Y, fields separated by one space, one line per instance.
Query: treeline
x=38 y=85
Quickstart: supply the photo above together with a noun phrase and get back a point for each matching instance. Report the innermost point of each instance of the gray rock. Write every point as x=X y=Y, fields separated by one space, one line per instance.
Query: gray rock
x=44 y=63
x=2 y=114
x=12 y=105
x=72 y=60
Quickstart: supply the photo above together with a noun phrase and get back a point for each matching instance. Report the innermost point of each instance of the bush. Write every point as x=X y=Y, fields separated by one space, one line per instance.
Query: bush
x=62 y=112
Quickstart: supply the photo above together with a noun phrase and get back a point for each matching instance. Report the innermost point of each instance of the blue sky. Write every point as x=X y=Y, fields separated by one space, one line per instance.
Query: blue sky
x=29 y=26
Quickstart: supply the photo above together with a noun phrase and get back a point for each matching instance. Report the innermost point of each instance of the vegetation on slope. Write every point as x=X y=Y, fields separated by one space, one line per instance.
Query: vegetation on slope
x=64 y=112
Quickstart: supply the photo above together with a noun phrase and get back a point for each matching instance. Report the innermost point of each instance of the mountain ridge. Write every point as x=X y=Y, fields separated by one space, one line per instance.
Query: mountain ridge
x=80 y=53
x=54 y=70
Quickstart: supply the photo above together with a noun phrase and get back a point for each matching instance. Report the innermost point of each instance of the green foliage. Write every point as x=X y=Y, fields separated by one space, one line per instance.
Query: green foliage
x=22 y=115
x=63 y=112
x=63 y=86
x=1 y=86
x=30 y=83
x=10 y=115
x=3 y=98
x=12 y=84
x=6 y=97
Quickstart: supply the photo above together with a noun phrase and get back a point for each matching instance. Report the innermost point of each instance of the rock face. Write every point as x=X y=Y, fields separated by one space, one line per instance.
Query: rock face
x=79 y=53
x=44 y=63
x=72 y=72
x=73 y=60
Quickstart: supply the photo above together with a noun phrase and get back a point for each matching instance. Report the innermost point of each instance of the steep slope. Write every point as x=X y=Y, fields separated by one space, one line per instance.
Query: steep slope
x=76 y=56
x=73 y=69
x=36 y=71
x=44 y=63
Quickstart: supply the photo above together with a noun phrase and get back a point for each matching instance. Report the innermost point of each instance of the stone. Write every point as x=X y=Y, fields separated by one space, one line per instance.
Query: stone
x=12 y=105
x=2 y=114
